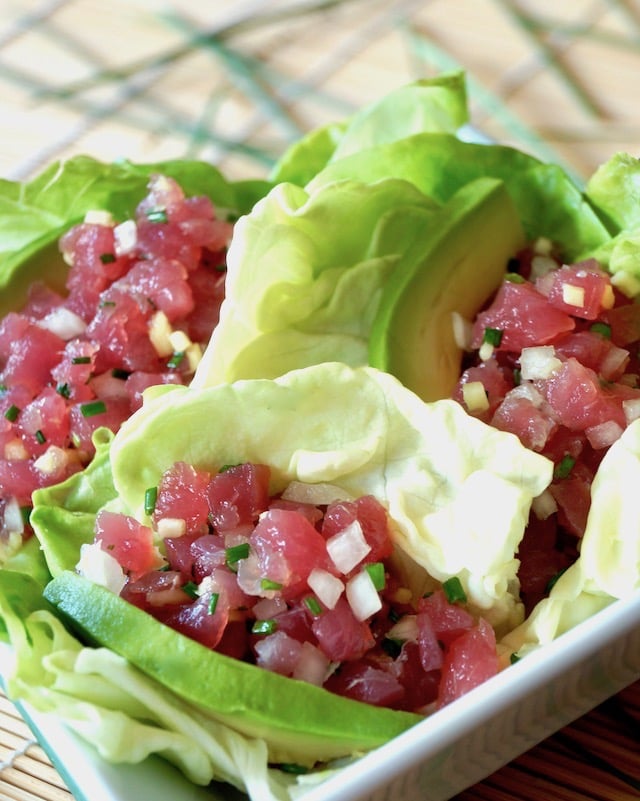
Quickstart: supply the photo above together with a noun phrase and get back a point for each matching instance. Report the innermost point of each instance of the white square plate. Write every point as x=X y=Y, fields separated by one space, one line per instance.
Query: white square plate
x=459 y=746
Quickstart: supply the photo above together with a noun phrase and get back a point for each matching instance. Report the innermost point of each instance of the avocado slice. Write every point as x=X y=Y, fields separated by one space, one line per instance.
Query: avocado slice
x=472 y=238
x=300 y=722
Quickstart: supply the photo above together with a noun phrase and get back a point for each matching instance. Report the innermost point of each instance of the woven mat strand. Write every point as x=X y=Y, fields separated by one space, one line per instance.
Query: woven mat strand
x=235 y=83
x=597 y=758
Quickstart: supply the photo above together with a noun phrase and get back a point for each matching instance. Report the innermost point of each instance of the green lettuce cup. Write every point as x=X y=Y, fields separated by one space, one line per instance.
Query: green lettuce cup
x=358 y=429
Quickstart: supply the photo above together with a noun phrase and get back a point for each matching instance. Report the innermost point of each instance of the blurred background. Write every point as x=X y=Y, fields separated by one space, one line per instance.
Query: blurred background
x=235 y=81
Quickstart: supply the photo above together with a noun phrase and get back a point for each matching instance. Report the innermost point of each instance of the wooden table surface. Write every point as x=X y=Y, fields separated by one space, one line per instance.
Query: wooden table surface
x=234 y=82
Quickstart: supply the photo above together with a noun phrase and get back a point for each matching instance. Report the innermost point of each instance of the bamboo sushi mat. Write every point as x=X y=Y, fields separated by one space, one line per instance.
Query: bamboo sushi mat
x=234 y=82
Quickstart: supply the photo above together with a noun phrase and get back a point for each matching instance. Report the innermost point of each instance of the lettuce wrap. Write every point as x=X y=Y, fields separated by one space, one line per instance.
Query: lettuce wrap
x=358 y=429
x=609 y=564
x=310 y=263
x=34 y=214
x=345 y=208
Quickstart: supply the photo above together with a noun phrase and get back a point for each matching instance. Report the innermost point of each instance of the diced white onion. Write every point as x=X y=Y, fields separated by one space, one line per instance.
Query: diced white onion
x=474 y=396
x=312 y=665
x=108 y=387
x=15 y=449
x=63 y=323
x=462 y=330
x=604 y=434
x=542 y=265
x=631 y=409
x=171 y=527
x=362 y=596
x=326 y=586
x=348 y=547
x=320 y=494
x=101 y=568
x=405 y=629
x=13 y=522
x=52 y=461
x=527 y=390
x=538 y=362
x=544 y=505
x=266 y=608
x=125 y=237
x=99 y=217
x=614 y=363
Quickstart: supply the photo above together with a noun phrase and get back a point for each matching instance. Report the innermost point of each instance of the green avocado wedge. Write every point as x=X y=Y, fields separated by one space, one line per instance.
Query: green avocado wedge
x=412 y=336
x=300 y=722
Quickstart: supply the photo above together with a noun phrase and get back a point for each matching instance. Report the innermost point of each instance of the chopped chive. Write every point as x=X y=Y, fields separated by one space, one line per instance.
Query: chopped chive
x=150 y=498
x=264 y=627
x=191 y=589
x=235 y=553
x=64 y=390
x=267 y=584
x=12 y=413
x=81 y=360
x=394 y=616
x=40 y=437
x=118 y=372
x=107 y=258
x=517 y=376
x=454 y=590
x=226 y=467
x=391 y=647
x=564 y=467
x=514 y=658
x=93 y=408
x=313 y=605
x=376 y=574
x=175 y=360
x=553 y=580
x=293 y=768
x=106 y=304
x=157 y=215
x=492 y=336
x=604 y=329
x=213 y=602
x=514 y=278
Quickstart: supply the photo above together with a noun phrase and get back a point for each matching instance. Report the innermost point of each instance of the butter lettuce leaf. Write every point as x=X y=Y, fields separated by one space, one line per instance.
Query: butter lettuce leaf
x=35 y=213
x=549 y=203
x=360 y=429
x=608 y=567
x=614 y=190
x=433 y=104
x=306 y=273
